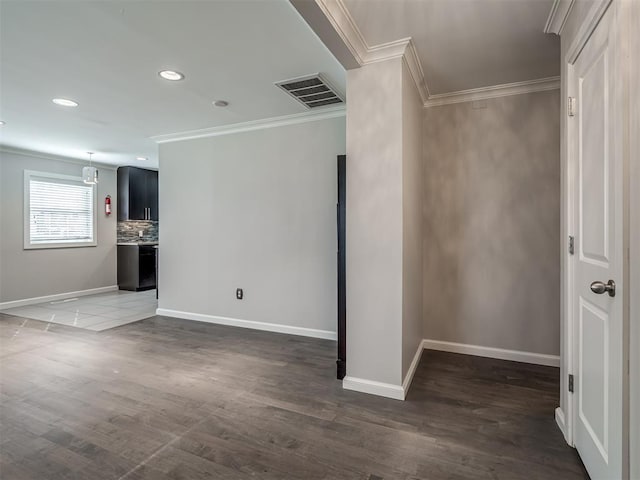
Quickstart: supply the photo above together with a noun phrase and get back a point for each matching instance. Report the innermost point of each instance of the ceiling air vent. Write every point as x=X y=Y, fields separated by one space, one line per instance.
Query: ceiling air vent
x=312 y=91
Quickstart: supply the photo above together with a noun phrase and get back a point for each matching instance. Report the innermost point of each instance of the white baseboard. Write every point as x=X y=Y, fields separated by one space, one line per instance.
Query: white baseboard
x=561 y=423
x=490 y=352
x=374 y=388
x=389 y=390
x=408 y=378
x=57 y=296
x=235 y=322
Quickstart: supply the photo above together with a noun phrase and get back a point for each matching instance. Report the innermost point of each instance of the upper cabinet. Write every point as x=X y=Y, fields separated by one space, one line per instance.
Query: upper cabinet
x=137 y=194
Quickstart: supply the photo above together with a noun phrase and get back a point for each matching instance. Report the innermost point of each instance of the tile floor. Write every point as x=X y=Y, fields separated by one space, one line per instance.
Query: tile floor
x=93 y=312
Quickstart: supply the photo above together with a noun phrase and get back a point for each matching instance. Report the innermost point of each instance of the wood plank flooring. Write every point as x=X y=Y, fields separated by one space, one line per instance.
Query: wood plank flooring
x=171 y=399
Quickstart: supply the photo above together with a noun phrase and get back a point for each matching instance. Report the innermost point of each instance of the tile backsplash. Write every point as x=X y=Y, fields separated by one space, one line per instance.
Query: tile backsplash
x=128 y=231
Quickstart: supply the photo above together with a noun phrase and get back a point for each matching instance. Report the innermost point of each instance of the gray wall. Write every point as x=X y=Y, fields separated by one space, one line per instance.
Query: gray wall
x=412 y=221
x=255 y=210
x=492 y=223
x=384 y=222
x=374 y=222
x=35 y=273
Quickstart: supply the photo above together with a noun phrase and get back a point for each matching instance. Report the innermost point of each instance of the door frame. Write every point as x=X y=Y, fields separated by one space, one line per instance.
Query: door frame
x=631 y=229
x=341 y=220
x=634 y=242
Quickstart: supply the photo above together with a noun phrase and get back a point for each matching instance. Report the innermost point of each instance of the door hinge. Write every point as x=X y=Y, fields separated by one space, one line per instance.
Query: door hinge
x=571 y=245
x=571 y=106
x=571 y=383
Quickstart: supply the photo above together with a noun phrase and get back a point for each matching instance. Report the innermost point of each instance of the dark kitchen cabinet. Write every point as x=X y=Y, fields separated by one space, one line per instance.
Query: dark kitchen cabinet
x=136 y=267
x=137 y=194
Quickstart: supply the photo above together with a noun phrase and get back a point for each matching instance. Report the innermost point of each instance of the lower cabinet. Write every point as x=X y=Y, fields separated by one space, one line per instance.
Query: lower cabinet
x=136 y=267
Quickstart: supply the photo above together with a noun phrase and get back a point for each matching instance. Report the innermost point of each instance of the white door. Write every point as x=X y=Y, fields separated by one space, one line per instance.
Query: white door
x=598 y=260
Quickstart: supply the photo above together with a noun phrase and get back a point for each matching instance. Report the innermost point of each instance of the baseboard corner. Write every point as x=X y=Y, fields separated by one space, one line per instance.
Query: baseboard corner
x=408 y=378
x=562 y=425
x=373 y=387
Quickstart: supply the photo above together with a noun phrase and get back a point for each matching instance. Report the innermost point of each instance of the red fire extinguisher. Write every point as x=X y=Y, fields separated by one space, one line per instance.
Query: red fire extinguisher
x=107 y=205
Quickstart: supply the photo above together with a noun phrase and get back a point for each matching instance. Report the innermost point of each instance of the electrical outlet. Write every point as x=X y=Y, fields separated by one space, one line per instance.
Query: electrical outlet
x=140 y=233
x=239 y=293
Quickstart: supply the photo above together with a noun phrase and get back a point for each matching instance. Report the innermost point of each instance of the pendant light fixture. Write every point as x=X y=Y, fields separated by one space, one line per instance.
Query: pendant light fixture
x=90 y=174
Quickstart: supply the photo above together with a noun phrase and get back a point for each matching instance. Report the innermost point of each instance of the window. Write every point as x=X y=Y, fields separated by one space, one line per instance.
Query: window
x=60 y=211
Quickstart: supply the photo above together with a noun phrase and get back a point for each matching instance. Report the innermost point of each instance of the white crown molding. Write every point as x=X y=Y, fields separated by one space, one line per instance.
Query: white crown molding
x=558 y=16
x=50 y=156
x=589 y=24
x=365 y=54
x=310 y=116
x=412 y=60
x=495 y=91
x=387 y=51
x=342 y=21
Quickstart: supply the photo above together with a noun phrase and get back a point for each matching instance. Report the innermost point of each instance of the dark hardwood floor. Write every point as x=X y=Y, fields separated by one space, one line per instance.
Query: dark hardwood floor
x=172 y=399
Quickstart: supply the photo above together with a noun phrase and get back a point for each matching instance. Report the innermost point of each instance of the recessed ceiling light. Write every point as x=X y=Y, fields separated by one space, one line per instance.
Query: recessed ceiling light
x=171 y=75
x=65 y=102
x=1 y=122
x=142 y=158
x=220 y=103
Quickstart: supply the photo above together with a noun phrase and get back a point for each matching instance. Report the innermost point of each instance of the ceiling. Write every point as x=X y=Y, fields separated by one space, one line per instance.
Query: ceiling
x=106 y=55
x=466 y=44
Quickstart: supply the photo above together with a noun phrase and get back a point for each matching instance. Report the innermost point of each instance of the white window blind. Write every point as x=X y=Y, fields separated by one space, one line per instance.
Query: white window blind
x=61 y=212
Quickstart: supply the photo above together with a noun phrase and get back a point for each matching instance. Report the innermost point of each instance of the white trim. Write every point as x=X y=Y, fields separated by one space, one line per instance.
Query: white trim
x=634 y=242
x=57 y=296
x=374 y=388
x=412 y=60
x=408 y=378
x=389 y=390
x=387 y=51
x=589 y=24
x=284 y=120
x=491 y=352
x=340 y=18
x=558 y=16
x=342 y=21
x=568 y=261
x=58 y=158
x=561 y=423
x=235 y=322
x=495 y=91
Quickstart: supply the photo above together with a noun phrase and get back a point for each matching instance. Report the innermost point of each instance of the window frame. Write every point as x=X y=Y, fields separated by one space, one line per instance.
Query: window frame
x=32 y=174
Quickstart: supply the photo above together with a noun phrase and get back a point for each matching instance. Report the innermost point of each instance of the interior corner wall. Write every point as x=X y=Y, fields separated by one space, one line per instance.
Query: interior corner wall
x=412 y=219
x=492 y=223
x=374 y=240
x=26 y=274
x=253 y=210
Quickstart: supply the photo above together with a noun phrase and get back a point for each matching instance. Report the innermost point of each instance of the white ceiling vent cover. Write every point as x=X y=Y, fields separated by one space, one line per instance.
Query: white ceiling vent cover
x=311 y=90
